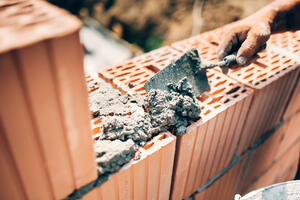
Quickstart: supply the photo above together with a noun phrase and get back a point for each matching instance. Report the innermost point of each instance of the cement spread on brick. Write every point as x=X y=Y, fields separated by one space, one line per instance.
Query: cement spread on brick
x=110 y=155
x=128 y=121
x=173 y=110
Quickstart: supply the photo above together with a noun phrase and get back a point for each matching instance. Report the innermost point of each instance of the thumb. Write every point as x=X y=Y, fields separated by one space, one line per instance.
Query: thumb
x=256 y=37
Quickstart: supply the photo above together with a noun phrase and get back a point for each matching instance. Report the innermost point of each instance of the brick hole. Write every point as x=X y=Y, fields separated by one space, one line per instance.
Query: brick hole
x=161 y=60
x=118 y=67
x=226 y=101
x=140 y=89
x=122 y=79
x=203 y=97
x=148 y=60
x=262 y=75
x=214 y=100
x=264 y=80
x=274 y=68
x=284 y=68
x=127 y=68
x=249 y=75
x=109 y=70
x=98 y=121
x=90 y=80
x=96 y=130
x=239 y=74
x=243 y=91
x=137 y=74
x=274 y=62
x=142 y=93
x=202 y=107
x=97 y=138
x=164 y=54
x=143 y=82
x=153 y=68
x=237 y=69
x=235 y=96
x=147 y=75
x=256 y=83
x=214 y=43
x=148 y=146
x=217 y=106
x=122 y=74
x=210 y=75
x=207 y=112
x=285 y=45
x=220 y=83
x=218 y=77
x=231 y=84
x=164 y=136
x=218 y=91
x=274 y=56
x=134 y=80
x=112 y=73
x=250 y=69
x=233 y=90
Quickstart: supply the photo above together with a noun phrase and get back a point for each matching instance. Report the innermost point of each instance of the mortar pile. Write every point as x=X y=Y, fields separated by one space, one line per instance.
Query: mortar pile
x=130 y=121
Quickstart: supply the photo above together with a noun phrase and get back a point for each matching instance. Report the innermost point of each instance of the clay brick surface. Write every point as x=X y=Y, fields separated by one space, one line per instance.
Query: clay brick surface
x=260 y=159
x=14 y=109
x=146 y=178
x=30 y=21
x=284 y=169
x=211 y=142
x=131 y=76
x=224 y=109
x=67 y=63
x=290 y=135
x=44 y=109
x=272 y=76
x=294 y=104
x=289 y=41
x=225 y=186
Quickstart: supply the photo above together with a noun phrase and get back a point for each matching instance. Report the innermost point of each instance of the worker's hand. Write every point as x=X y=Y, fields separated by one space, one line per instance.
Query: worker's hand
x=246 y=37
x=249 y=34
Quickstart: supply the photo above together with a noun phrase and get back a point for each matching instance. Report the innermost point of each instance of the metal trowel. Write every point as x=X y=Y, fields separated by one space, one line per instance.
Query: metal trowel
x=191 y=67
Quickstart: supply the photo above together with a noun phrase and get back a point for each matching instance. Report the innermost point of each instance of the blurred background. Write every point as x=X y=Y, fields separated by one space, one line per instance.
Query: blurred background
x=116 y=30
x=121 y=29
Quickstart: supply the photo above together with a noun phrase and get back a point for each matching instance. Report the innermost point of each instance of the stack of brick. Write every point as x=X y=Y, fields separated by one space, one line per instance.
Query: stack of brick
x=237 y=112
x=246 y=137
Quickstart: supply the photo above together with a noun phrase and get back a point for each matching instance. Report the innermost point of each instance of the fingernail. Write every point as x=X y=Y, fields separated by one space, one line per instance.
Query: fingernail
x=242 y=60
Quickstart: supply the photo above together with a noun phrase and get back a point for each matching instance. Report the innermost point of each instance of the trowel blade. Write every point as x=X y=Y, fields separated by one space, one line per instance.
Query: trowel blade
x=187 y=66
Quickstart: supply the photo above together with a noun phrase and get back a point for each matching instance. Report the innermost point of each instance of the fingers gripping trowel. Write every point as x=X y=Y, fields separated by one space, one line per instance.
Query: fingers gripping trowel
x=188 y=66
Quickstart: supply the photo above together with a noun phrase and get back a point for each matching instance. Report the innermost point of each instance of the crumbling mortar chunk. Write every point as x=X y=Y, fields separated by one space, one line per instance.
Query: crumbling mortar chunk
x=130 y=121
x=111 y=155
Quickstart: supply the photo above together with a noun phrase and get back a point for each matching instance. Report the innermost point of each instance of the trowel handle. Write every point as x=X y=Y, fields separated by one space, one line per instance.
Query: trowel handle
x=230 y=60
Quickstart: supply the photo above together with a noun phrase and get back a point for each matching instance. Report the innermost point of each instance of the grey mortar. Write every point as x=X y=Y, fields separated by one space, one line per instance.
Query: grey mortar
x=126 y=123
x=111 y=155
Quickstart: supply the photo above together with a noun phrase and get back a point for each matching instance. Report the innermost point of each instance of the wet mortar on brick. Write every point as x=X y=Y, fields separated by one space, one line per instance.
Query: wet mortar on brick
x=128 y=122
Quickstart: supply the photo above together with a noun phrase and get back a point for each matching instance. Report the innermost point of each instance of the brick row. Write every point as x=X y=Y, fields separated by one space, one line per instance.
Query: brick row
x=224 y=109
x=146 y=178
x=131 y=76
x=272 y=76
